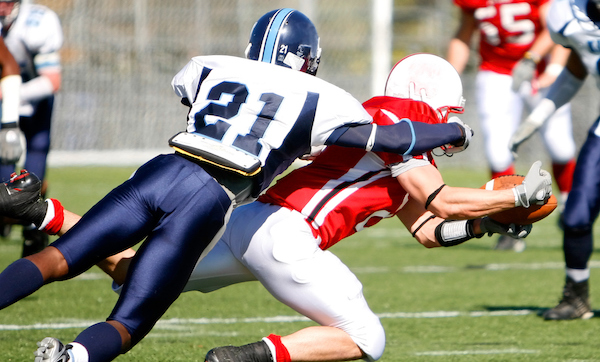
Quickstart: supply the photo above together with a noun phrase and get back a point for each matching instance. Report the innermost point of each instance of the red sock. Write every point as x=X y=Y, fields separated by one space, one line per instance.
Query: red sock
x=563 y=174
x=53 y=226
x=509 y=171
x=281 y=353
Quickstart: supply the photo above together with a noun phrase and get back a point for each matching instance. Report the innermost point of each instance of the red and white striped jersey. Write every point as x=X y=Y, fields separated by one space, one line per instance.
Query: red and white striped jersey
x=344 y=189
x=507 y=30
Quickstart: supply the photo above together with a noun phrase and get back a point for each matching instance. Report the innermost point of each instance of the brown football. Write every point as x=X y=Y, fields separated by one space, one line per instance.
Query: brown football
x=519 y=215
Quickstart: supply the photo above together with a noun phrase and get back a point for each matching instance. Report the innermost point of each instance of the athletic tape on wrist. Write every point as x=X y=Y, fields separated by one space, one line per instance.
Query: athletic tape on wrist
x=554 y=69
x=10 y=86
x=454 y=232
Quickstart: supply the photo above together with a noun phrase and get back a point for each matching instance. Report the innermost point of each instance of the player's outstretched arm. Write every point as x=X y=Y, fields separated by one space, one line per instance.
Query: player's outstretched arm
x=426 y=185
x=432 y=231
x=405 y=137
x=560 y=93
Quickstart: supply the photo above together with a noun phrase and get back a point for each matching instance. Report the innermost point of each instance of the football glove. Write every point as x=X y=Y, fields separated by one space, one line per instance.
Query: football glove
x=467 y=134
x=522 y=134
x=532 y=123
x=536 y=187
x=490 y=227
x=11 y=146
x=20 y=198
x=523 y=72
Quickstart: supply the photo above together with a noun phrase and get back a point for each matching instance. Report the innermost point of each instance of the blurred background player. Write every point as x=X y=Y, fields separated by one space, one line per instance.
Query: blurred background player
x=513 y=37
x=576 y=25
x=10 y=83
x=33 y=35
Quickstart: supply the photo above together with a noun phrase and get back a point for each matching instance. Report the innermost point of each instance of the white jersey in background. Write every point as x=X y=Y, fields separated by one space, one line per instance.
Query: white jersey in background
x=34 y=40
x=571 y=27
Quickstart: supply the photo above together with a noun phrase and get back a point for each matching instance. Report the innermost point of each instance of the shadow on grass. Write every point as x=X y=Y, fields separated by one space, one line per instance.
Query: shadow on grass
x=536 y=310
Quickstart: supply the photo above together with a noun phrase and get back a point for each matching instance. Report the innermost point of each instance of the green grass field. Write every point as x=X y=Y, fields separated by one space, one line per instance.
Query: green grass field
x=467 y=303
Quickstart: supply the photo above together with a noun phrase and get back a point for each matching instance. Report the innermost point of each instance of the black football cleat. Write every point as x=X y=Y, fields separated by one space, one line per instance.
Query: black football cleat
x=575 y=303
x=253 y=352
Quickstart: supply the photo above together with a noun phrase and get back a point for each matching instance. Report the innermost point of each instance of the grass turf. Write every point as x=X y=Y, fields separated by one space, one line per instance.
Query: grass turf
x=467 y=303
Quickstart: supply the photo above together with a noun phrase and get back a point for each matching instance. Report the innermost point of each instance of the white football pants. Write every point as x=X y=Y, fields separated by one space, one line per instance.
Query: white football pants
x=276 y=246
x=500 y=111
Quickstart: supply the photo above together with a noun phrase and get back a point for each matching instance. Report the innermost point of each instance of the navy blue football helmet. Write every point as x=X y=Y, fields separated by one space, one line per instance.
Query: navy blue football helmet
x=285 y=37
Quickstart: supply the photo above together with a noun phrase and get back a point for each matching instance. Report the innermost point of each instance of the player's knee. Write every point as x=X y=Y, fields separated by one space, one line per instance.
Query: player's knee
x=576 y=231
x=370 y=338
x=39 y=143
x=51 y=263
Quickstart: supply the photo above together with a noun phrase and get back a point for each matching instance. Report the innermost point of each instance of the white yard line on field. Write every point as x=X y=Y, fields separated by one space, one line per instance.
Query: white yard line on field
x=169 y=323
x=489 y=351
x=422 y=269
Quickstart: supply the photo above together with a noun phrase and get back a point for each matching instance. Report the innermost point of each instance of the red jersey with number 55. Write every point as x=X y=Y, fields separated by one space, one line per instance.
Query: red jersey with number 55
x=507 y=30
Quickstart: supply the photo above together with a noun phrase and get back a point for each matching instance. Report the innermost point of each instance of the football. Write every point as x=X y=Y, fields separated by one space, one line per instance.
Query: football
x=519 y=215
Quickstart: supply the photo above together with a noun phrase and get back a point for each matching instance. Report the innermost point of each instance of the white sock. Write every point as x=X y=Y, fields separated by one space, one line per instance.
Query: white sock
x=78 y=353
x=578 y=275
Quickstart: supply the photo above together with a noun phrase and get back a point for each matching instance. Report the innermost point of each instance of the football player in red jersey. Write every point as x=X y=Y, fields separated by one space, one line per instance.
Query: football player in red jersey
x=514 y=45
x=282 y=239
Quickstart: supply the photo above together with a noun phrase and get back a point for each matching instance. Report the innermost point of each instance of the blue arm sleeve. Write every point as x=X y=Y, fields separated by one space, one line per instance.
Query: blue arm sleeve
x=403 y=138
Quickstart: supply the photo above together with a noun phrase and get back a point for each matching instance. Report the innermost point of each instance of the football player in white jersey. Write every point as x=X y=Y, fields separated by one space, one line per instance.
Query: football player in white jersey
x=10 y=84
x=341 y=192
x=33 y=35
x=248 y=120
x=574 y=24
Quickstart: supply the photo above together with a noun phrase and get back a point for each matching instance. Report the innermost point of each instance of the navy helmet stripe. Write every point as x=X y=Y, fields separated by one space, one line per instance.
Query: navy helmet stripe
x=273 y=33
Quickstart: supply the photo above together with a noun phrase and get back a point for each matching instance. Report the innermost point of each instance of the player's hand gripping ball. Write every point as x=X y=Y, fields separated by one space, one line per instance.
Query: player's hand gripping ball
x=519 y=215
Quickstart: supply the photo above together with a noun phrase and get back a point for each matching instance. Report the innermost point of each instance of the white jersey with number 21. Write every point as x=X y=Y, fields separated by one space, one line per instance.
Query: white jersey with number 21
x=232 y=102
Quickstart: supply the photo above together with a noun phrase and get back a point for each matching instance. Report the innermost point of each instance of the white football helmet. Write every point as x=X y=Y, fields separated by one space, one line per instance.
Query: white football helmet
x=9 y=10
x=430 y=79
